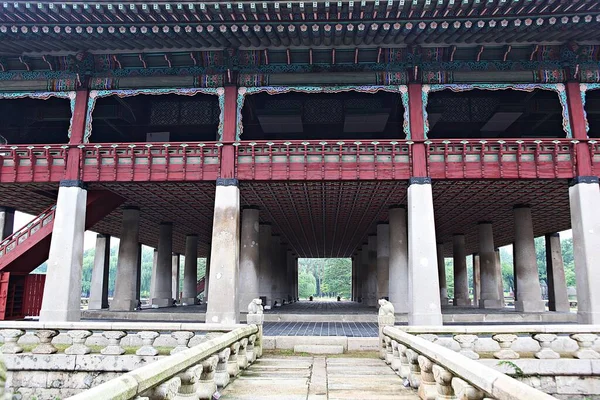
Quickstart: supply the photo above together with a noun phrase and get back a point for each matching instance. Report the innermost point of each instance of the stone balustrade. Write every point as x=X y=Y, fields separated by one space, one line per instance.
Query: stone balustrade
x=516 y=341
x=82 y=355
x=441 y=373
x=194 y=373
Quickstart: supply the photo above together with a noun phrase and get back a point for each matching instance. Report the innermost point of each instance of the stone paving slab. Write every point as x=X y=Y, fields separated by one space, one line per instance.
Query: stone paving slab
x=348 y=329
x=318 y=378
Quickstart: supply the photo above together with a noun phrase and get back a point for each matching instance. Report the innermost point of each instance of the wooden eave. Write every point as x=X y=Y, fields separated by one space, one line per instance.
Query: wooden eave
x=67 y=27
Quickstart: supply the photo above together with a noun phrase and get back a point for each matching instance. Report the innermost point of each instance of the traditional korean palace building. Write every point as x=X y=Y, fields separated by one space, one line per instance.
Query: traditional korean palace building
x=253 y=133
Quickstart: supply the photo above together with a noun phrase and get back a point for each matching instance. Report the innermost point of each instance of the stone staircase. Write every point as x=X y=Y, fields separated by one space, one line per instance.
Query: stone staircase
x=318 y=378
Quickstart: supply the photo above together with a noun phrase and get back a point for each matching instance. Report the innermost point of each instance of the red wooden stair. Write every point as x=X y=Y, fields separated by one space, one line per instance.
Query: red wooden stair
x=26 y=249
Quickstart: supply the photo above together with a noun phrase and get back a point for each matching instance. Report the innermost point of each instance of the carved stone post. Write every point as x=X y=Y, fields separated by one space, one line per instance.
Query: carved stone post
x=165 y=391
x=114 y=343
x=11 y=337
x=467 y=343
x=221 y=374
x=206 y=385
x=257 y=319
x=383 y=321
x=585 y=342
x=148 y=338
x=183 y=339
x=404 y=366
x=250 y=349
x=45 y=346
x=545 y=340
x=78 y=337
x=414 y=375
x=443 y=380
x=395 y=357
x=465 y=391
x=232 y=365
x=505 y=340
x=427 y=388
x=242 y=354
x=189 y=382
x=389 y=353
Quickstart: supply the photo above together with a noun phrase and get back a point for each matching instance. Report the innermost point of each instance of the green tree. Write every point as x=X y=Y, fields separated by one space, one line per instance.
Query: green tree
x=540 y=256
x=306 y=284
x=449 y=264
x=337 y=277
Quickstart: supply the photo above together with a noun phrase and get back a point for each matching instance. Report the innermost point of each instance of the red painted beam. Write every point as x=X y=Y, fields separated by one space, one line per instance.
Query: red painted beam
x=229 y=129
x=578 y=128
x=417 y=129
x=72 y=170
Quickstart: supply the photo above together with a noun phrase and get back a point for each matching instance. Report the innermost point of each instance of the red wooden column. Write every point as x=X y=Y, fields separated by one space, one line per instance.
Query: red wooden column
x=417 y=130
x=72 y=170
x=578 y=128
x=229 y=128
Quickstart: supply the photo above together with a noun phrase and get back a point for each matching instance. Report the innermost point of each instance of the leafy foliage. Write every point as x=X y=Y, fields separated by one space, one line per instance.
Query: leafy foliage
x=325 y=276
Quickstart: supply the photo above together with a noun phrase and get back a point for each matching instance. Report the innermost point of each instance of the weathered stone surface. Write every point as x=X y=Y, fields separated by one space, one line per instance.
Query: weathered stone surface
x=11 y=336
x=113 y=347
x=585 y=342
x=78 y=347
x=183 y=338
x=45 y=346
x=148 y=338
x=545 y=340
x=505 y=340
x=466 y=343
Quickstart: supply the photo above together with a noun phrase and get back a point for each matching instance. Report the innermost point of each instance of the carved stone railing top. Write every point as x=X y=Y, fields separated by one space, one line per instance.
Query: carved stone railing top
x=455 y=375
x=163 y=378
x=107 y=338
x=515 y=341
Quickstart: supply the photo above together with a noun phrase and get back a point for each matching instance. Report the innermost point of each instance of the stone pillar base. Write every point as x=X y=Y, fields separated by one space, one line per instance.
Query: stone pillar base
x=462 y=302
x=425 y=319
x=188 y=301
x=95 y=305
x=530 y=306
x=123 y=305
x=161 y=303
x=487 y=303
x=256 y=319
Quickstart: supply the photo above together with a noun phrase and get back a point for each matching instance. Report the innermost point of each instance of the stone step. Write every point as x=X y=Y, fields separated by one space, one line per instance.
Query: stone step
x=318 y=349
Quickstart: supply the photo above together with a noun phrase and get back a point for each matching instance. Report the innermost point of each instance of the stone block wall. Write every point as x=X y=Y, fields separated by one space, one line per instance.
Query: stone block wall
x=58 y=376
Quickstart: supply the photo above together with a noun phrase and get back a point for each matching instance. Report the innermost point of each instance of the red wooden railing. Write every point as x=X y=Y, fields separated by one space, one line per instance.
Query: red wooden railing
x=11 y=242
x=318 y=159
x=200 y=285
x=502 y=158
x=172 y=161
x=32 y=163
x=297 y=160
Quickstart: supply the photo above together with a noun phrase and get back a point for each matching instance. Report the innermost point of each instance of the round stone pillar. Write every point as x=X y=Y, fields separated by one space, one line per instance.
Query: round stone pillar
x=164 y=267
x=528 y=283
x=461 y=279
x=124 y=298
x=264 y=264
x=190 y=271
x=372 y=272
x=383 y=260
x=442 y=274
x=487 y=268
x=398 y=264
x=249 y=257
